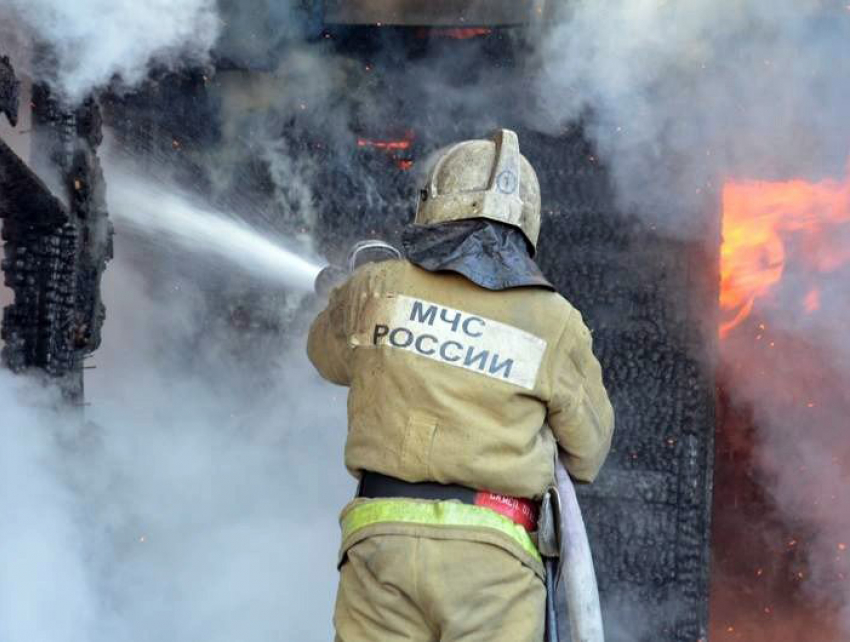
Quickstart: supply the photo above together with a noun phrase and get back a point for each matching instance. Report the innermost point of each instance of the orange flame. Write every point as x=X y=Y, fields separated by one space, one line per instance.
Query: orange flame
x=453 y=33
x=392 y=147
x=761 y=221
x=461 y=33
x=386 y=145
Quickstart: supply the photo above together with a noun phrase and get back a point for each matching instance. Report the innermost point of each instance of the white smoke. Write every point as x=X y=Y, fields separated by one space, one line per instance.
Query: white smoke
x=201 y=501
x=95 y=42
x=679 y=96
x=46 y=588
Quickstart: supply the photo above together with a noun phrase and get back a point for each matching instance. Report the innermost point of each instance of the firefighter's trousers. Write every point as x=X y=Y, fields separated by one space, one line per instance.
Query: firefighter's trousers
x=416 y=589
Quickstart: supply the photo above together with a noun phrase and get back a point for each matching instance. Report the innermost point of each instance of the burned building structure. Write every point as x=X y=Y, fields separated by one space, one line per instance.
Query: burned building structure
x=356 y=108
x=55 y=247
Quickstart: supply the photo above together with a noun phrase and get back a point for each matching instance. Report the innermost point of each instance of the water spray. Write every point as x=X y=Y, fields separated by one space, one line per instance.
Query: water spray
x=150 y=209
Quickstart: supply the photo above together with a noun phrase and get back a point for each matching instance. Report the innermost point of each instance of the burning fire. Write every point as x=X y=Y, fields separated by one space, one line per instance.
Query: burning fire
x=385 y=145
x=764 y=222
x=780 y=571
x=453 y=33
x=397 y=149
x=463 y=33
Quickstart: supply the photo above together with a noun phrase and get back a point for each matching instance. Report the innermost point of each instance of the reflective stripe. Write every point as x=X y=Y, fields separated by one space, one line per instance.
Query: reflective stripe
x=404 y=511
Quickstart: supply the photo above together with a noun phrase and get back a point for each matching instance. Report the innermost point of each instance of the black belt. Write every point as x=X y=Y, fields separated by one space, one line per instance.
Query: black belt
x=519 y=510
x=375 y=486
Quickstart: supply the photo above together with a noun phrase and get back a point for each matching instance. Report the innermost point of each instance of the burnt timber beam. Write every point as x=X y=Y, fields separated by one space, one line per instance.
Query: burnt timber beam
x=55 y=248
x=10 y=88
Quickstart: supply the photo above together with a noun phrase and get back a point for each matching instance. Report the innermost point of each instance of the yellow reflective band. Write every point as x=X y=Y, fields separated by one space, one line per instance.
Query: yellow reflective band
x=403 y=511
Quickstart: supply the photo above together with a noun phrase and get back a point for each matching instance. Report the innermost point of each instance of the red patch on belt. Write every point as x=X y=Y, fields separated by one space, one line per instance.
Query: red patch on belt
x=519 y=510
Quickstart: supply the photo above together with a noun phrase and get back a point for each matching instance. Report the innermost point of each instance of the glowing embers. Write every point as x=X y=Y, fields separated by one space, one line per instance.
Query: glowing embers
x=386 y=145
x=453 y=33
x=765 y=222
x=460 y=33
x=399 y=150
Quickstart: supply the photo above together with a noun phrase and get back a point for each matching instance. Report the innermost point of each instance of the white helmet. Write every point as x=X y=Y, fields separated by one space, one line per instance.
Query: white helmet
x=483 y=179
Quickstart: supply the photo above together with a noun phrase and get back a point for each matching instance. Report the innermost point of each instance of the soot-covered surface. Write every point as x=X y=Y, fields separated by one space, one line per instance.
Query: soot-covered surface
x=649 y=301
x=55 y=250
x=9 y=91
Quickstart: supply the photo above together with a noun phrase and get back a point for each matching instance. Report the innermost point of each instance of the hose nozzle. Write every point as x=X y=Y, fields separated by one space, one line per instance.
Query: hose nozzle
x=370 y=251
x=361 y=253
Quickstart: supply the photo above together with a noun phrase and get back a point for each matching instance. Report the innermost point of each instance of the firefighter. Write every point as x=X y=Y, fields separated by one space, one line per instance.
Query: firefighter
x=466 y=372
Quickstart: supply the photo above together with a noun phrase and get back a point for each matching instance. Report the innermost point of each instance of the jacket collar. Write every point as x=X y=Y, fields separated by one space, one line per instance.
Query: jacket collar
x=490 y=254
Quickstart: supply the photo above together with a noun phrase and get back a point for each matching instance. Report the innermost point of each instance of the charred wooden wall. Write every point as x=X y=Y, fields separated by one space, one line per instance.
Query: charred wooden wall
x=55 y=248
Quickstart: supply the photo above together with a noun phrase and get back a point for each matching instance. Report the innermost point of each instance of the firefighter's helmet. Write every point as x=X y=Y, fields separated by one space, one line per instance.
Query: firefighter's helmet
x=483 y=179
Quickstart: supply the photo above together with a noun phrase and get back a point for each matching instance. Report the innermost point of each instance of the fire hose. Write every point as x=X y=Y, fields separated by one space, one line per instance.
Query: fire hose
x=563 y=543
x=579 y=577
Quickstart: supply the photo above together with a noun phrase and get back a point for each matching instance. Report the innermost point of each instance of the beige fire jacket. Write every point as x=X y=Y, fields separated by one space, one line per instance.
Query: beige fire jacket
x=453 y=383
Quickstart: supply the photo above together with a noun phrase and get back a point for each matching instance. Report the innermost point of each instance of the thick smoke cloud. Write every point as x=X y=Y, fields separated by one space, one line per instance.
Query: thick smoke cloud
x=679 y=96
x=255 y=39
x=46 y=591
x=200 y=500
x=94 y=42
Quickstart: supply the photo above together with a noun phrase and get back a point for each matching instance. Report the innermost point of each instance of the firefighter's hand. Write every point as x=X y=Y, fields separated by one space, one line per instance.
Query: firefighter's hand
x=329 y=278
